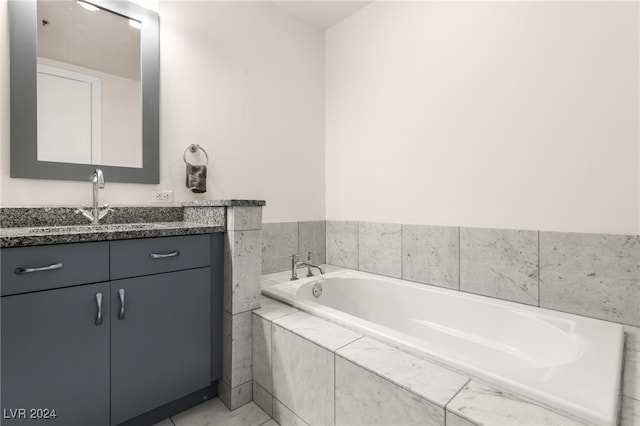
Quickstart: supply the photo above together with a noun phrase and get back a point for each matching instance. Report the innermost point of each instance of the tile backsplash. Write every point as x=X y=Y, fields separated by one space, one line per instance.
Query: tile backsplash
x=500 y=263
x=430 y=255
x=380 y=248
x=282 y=239
x=342 y=244
x=595 y=275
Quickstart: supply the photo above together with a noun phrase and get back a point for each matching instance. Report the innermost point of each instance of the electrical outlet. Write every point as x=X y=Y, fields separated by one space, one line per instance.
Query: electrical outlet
x=164 y=196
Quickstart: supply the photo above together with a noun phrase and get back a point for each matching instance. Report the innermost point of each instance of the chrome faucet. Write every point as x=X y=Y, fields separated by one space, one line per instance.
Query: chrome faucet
x=295 y=264
x=96 y=213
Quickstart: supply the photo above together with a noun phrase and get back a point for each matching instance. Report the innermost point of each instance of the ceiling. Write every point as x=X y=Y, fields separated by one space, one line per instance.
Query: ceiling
x=322 y=14
x=99 y=40
x=104 y=41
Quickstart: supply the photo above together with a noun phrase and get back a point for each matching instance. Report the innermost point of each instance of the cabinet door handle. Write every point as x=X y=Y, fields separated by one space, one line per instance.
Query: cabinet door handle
x=52 y=267
x=99 y=303
x=164 y=255
x=121 y=295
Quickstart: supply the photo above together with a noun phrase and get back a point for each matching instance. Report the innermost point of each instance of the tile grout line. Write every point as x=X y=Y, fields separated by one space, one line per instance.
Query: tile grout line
x=464 y=417
x=347 y=344
x=335 y=398
x=298 y=238
x=311 y=341
x=358 y=245
x=459 y=260
x=326 y=243
x=456 y=394
x=251 y=342
x=292 y=412
x=401 y=252
x=538 y=268
x=271 y=351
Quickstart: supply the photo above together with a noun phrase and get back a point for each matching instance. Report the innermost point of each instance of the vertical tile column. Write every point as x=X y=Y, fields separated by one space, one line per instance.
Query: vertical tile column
x=242 y=270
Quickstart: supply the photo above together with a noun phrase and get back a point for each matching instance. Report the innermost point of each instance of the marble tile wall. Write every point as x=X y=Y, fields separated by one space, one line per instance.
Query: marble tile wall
x=312 y=238
x=242 y=267
x=430 y=255
x=376 y=381
x=479 y=403
x=303 y=377
x=630 y=415
x=631 y=378
x=282 y=239
x=595 y=275
x=365 y=398
x=286 y=417
x=500 y=263
x=379 y=248
x=237 y=330
x=591 y=274
x=242 y=272
x=342 y=244
x=263 y=398
x=324 y=374
x=261 y=352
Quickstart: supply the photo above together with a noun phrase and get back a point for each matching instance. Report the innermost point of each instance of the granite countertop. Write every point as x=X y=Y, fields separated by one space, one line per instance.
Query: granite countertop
x=32 y=226
x=42 y=235
x=224 y=203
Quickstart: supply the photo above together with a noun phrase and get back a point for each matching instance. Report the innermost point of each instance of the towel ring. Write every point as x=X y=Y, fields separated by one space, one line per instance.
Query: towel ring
x=194 y=148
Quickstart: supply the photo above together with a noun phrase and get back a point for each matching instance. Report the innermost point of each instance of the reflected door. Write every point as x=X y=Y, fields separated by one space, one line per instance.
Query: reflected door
x=69 y=127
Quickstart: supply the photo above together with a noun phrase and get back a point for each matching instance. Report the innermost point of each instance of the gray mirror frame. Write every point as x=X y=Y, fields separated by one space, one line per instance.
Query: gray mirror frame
x=24 y=133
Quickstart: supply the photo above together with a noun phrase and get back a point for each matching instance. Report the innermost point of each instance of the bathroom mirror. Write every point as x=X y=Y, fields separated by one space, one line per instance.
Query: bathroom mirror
x=84 y=90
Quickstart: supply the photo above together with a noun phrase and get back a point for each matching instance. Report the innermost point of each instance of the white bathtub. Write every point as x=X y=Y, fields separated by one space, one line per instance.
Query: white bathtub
x=568 y=363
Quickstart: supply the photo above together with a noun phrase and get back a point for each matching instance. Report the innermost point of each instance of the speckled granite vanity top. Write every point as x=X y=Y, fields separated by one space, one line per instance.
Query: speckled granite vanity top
x=224 y=203
x=41 y=235
x=32 y=226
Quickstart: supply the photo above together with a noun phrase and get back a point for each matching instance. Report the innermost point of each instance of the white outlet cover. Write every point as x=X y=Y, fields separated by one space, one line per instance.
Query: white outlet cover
x=161 y=196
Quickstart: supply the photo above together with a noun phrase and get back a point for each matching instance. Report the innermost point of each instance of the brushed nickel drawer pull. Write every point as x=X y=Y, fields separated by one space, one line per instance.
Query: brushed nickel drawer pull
x=53 y=267
x=99 y=303
x=163 y=256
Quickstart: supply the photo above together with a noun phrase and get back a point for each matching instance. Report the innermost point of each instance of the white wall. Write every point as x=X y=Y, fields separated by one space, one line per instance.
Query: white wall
x=245 y=80
x=505 y=114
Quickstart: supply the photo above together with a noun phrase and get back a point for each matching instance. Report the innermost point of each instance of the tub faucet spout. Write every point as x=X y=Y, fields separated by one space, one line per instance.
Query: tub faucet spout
x=295 y=264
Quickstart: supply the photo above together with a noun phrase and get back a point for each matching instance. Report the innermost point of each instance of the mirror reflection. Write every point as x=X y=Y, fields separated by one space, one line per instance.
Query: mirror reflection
x=89 y=89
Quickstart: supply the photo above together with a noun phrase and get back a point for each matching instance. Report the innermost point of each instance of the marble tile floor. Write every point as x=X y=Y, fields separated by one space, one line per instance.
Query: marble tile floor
x=214 y=413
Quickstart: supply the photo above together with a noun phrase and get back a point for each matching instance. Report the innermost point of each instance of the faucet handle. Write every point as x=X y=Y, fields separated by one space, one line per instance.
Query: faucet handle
x=104 y=212
x=84 y=212
x=295 y=257
x=309 y=256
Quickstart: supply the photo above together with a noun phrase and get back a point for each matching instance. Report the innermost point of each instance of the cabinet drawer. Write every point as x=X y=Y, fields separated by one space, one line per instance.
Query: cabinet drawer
x=131 y=258
x=26 y=269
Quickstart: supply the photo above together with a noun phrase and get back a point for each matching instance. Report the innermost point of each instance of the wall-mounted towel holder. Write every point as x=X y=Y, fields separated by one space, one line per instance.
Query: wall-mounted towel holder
x=194 y=148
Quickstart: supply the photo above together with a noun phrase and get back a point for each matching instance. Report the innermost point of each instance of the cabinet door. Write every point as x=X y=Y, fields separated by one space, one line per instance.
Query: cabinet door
x=160 y=341
x=55 y=356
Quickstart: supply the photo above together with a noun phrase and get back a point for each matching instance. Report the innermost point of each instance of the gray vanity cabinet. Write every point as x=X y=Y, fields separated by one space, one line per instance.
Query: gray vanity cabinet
x=55 y=356
x=109 y=332
x=160 y=341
